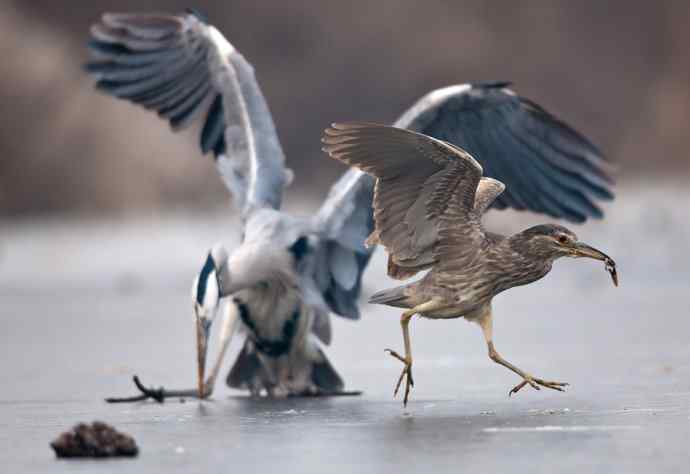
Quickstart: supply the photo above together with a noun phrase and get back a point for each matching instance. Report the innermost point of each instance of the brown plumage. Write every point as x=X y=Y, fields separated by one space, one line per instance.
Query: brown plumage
x=428 y=204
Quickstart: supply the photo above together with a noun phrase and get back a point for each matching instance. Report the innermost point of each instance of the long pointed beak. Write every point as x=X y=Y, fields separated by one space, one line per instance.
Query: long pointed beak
x=584 y=250
x=203 y=329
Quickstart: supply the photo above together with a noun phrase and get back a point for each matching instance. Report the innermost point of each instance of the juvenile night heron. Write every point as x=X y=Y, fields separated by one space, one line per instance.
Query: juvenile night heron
x=428 y=202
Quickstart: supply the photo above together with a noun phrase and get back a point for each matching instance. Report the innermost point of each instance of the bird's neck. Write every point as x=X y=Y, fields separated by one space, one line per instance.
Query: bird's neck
x=520 y=264
x=270 y=292
x=253 y=264
x=270 y=312
x=526 y=272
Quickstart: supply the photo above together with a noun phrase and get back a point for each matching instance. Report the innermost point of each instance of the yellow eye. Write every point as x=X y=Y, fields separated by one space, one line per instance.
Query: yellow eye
x=562 y=239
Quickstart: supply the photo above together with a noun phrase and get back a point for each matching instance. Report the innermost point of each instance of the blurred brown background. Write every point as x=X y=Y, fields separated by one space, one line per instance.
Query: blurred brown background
x=617 y=71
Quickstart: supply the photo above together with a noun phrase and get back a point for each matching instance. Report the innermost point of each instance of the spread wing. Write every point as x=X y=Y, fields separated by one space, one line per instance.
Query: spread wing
x=344 y=221
x=418 y=180
x=547 y=166
x=184 y=69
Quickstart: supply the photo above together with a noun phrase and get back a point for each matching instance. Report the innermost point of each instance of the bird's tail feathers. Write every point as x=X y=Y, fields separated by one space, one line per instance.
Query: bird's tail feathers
x=324 y=376
x=391 y=297
x=246 y=369
x=249 y=373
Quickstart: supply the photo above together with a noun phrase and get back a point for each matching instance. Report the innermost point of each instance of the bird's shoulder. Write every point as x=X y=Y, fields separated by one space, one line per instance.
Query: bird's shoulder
x=494 y=239
x=275 y=224
x=496 y=246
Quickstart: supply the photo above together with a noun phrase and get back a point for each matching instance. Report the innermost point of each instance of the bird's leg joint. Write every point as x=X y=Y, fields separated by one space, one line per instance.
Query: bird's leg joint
x=493 y=354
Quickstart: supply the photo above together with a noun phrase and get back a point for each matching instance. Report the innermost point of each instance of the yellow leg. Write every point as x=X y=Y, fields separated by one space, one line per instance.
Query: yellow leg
x=407 y=360
x=486 y=323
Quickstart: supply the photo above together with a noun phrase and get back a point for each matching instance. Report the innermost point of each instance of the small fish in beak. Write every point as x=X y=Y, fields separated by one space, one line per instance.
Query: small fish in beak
x=584 y=250
x=611 y=268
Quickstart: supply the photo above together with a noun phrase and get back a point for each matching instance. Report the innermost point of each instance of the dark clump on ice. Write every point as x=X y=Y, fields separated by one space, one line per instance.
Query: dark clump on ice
x=96 y=440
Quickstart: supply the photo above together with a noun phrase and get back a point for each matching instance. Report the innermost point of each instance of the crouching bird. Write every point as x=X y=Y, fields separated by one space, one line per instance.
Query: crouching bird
x=288 y=274
x=280 y=284
x=429 y=199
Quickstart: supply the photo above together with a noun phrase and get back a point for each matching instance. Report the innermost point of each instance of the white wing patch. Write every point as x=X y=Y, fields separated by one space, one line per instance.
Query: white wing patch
x=343 y=266
x=223 y=45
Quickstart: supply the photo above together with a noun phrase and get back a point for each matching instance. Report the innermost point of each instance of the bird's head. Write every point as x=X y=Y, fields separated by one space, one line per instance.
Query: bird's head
x=206 y=294
x=550 y=241
x=207 y=284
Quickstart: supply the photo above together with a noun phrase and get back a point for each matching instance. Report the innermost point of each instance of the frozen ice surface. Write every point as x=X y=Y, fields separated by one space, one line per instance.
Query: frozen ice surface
x=84 y=305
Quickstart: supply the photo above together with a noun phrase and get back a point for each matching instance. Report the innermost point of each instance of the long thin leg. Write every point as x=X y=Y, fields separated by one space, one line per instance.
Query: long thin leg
x=407 y=360
x=485 y=321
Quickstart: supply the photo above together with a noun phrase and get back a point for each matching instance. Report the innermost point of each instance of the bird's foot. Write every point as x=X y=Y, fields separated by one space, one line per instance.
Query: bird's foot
x=278 y=392
x=208 y=390
x=405 y=374
x=537 y=383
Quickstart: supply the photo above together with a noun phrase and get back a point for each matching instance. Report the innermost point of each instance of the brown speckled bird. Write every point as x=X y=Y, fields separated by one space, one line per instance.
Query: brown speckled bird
x=428 y=204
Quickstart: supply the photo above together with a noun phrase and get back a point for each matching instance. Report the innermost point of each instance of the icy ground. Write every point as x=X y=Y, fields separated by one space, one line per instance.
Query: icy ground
x=83 y=305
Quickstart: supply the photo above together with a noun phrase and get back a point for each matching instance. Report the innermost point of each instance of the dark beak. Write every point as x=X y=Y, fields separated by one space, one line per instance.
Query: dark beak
x=584 y=250
x=203 y=329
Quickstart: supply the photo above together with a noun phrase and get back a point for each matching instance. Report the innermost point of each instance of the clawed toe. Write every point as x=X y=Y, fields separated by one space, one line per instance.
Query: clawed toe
x=537 y=383
x=560 y=386
x=406 y=374
x=519 y=386
x=392 y=353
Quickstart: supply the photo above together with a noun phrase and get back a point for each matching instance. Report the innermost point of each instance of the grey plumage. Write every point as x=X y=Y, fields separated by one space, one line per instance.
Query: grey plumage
x=413 y=196
x=548 y=167
x=289 y=273
x=429 y=200
x=183 y=68
x=247 y=372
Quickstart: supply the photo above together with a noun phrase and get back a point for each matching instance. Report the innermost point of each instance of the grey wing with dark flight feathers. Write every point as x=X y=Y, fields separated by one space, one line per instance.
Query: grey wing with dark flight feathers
x=418 y=181
x=343 y=223
x=183 y=68
x=546 y=165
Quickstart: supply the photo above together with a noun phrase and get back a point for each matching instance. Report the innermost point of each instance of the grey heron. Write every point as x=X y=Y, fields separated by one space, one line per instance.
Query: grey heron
x=429 y=200
x=289 y=273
